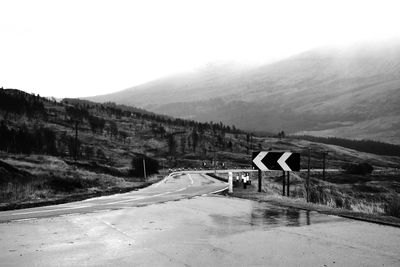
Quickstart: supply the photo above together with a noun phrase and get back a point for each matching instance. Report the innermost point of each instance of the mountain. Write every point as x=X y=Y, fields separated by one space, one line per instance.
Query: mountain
x=350 y=92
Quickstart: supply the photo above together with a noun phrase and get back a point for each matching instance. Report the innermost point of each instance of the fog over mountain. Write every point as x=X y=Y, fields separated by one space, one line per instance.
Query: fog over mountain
x=351 y=92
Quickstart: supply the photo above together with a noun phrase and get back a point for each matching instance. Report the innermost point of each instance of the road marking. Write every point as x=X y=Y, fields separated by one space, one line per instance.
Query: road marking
x=191 y=180
x=133 y=199
x=121 y=201
x=104 y=210
x=179 y=190
x=157 y=195
x=24 y=220
x=163 y=180
x=43 y=211
x=220 y=190
x=70 y=214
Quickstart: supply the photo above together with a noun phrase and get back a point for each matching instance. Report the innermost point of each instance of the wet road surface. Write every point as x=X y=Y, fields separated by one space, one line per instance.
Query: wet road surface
x=175 y=186
x=200 y=231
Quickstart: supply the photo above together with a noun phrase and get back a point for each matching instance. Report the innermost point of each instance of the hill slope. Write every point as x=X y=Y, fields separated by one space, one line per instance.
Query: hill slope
x=52 y=152
x=348 y=92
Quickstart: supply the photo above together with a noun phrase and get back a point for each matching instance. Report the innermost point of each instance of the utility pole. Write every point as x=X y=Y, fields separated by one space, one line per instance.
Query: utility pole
x=214 y=157
x=76 y=140
x=308 y=175
x=215 y=164
x=144 y=168
x=259 y=180
x=283 y=184
x=323 y=164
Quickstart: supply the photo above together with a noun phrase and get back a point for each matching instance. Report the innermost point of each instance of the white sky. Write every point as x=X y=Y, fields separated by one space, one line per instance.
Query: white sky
x=82 y=48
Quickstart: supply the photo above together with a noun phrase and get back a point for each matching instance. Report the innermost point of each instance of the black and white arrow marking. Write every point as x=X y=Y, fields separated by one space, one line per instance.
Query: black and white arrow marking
x=272 y=160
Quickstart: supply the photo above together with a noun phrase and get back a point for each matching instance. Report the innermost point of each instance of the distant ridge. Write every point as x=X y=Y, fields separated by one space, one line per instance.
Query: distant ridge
x=350 y=92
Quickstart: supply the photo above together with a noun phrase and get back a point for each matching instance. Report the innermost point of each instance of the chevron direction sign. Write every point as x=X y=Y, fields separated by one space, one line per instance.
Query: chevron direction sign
x=276 y=161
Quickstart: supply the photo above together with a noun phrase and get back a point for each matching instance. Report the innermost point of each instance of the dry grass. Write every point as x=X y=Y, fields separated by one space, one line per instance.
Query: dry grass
x=370 y=194
x=392 y=208
x=49 y=178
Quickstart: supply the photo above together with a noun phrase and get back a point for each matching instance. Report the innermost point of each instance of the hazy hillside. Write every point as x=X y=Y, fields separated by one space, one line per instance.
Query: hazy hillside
x=52 y=152
x=350 y=92
x=69 y=150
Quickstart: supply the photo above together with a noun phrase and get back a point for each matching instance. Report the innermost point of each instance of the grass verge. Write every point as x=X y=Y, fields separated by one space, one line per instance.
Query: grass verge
x=270 y=196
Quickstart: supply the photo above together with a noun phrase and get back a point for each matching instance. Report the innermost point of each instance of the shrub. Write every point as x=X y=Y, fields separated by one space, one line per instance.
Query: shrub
x=59 y=184
x=360 y=168
x=392 y=208
x=318 y=194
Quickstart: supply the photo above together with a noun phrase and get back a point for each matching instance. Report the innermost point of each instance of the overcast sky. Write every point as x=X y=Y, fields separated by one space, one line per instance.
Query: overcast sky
x=82 y=48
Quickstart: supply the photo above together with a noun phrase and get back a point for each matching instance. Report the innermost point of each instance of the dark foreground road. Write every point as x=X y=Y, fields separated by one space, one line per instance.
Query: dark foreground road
x=141 y=229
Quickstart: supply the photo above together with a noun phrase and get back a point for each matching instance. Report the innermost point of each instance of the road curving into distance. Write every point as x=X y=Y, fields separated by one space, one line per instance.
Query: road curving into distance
x=175 y=186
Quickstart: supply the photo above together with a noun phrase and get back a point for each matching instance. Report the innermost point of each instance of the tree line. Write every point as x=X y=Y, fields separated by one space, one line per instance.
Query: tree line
x=127 y=111
x=17 y=102
x=22 y=140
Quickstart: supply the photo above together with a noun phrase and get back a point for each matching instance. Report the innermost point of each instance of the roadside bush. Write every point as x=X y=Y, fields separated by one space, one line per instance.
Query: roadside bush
x=392 y=208
x=360 y=168
x=318 y=195
x=71 y=184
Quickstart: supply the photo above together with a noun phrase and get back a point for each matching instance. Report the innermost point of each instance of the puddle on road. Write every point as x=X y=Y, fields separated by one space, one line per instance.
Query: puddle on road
x=266 y=216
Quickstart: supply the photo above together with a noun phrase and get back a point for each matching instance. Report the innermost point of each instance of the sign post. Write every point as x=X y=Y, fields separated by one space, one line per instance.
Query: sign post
x=276 y=161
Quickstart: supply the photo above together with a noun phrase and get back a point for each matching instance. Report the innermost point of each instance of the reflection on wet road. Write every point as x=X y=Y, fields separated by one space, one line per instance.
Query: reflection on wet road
x=264 y=216
x=267 y=215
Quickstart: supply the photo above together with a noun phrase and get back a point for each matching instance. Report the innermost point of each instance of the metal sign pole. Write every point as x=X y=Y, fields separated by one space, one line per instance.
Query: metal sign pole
x=259 y=180
x=283 y=183
x=323 y=165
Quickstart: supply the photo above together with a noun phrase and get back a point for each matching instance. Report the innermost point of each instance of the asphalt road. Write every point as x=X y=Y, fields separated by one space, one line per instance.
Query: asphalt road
x=175 y=186
x=147 y=228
